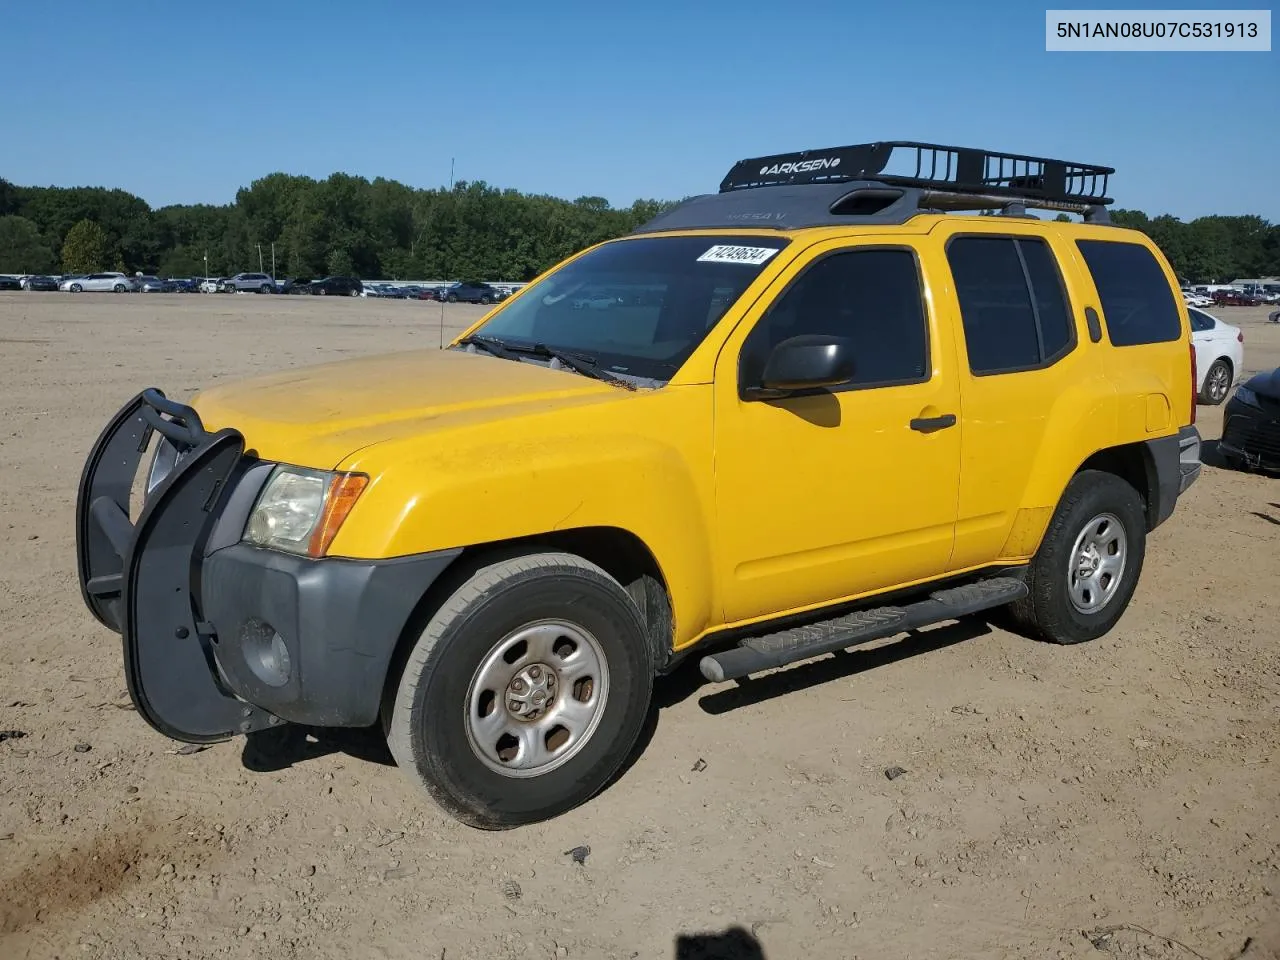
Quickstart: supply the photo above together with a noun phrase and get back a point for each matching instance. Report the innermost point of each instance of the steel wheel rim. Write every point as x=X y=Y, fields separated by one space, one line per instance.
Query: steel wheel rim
x=536 y=698
x=1097 y=564
x=1218 y=382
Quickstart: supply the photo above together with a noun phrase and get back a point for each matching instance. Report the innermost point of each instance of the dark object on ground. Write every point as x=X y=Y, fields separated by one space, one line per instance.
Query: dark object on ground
x=579 y=854
x=893 y=773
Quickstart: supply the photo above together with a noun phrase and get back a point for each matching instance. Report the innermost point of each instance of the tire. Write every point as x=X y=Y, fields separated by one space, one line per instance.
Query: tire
x=486 y=301
x=433 y=724
x=355 y=292
x=119 y=288
x=76 y=288
x=265 y=288
x=1092 y=507
x=452 y=298
x=1217 y=383
x=323 y=292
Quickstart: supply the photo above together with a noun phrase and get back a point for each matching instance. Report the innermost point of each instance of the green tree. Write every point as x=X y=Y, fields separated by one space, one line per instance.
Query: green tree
x=85 y=249
x=22 y=248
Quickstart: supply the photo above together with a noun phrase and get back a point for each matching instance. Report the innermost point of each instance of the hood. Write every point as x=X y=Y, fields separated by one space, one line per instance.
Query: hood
x=317 y=416
x=1265 y=384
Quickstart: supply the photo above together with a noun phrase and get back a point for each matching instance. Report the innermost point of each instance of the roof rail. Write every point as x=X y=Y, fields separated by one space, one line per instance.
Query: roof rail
x=946 y=174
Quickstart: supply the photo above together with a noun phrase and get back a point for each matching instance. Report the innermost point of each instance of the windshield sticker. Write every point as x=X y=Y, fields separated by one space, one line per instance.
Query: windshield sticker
x=726 y=253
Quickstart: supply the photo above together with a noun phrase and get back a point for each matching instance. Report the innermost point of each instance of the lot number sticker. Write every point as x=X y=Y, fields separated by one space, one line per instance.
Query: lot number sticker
x=726 y=253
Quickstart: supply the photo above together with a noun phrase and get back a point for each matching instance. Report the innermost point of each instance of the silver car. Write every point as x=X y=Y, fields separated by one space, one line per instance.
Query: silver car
x=99 y=283
x=257 y=282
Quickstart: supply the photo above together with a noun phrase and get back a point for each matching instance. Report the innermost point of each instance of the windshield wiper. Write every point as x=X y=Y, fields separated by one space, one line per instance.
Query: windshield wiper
x=587 y=366
x=489 y=344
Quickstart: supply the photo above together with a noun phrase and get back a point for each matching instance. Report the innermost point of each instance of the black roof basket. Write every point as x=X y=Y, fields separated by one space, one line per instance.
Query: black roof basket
x=948 y=175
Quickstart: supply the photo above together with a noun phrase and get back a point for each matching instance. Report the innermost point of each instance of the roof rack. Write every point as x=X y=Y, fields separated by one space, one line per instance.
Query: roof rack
x=958 y=170
x=842 y=185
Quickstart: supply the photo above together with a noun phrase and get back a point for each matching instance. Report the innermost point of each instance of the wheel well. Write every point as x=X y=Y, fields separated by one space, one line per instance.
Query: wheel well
x=618 y=552
x=1133 y=464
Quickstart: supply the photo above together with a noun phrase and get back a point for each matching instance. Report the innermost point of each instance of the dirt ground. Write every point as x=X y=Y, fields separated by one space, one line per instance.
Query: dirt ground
x=1122 y=796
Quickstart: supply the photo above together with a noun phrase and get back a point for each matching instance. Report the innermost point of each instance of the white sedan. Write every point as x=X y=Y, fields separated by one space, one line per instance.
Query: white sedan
x=1196 y=300
x=1219 y=355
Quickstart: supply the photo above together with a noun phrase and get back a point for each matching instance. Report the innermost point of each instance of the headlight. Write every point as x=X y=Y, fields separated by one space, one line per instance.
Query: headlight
x=1247 y=396
x=300 y=510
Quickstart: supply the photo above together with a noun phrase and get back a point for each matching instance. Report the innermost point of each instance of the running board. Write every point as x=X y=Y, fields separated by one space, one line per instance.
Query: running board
x=815 y=639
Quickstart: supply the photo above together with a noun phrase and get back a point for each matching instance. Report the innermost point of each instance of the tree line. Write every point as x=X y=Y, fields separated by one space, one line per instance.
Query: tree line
x=382 y=228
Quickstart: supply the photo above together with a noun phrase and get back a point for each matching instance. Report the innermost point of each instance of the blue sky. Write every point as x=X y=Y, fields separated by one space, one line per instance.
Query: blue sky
x=184 y=102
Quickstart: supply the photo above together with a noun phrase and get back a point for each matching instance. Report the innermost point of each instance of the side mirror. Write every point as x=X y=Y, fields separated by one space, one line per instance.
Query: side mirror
x=806 y=362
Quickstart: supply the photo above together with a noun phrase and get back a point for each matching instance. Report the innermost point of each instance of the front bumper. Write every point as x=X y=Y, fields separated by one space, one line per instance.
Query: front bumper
x=221 y=637
x=1252 y=434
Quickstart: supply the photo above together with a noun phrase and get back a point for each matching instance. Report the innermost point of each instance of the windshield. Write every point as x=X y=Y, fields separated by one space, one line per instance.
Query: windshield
x=636 y=307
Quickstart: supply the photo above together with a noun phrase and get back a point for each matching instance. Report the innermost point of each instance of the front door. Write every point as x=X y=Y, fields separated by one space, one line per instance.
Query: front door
x=840 y=492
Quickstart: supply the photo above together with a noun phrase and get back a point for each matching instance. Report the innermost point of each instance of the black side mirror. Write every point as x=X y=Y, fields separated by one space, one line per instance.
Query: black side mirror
x=806 y=362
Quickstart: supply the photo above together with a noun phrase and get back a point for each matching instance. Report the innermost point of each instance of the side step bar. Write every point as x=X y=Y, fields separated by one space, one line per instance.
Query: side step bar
x=756 y=654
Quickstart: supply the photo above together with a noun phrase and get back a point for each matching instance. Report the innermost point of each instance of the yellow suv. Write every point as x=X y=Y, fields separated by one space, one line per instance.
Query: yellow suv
x=854 y=392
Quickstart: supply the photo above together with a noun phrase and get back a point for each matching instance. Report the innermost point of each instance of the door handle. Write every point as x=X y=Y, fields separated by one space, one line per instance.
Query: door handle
x=930 y=424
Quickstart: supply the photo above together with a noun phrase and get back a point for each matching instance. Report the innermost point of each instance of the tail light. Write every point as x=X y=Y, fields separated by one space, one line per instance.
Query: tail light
x=1240 y=336
x=1195 y=383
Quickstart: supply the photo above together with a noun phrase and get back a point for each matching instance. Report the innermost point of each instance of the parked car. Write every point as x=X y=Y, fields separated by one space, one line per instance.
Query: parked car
x=1251 y=424
x=10 y=283
x=1219 y=355
x=250 y=282
x=489 y=552
x=296 y=285
x=100 y=282
x=1235 y=298
x=185 y=285
x=154 y=285
x=471 y=293
x=1196 y=299
x=42 y=283
x=337 y=286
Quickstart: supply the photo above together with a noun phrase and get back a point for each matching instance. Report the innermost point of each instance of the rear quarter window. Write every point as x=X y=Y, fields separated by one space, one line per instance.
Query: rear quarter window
x=1137 y=302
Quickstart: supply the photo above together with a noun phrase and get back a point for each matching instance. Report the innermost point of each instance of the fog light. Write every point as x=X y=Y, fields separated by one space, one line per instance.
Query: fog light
x=265 y=652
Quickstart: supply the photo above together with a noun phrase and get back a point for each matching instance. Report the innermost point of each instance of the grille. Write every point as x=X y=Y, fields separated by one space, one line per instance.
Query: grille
x=1255 y=436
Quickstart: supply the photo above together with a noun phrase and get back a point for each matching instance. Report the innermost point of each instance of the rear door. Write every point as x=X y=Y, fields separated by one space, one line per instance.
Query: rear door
x=1028 y=389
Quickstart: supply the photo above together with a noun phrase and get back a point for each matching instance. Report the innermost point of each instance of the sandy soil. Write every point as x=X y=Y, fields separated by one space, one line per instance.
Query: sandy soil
x=1057 y=802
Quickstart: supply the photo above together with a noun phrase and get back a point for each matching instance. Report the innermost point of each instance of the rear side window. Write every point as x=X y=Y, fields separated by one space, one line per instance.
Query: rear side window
x=1012 y=303
x=1137 y=302
x=1200 y=322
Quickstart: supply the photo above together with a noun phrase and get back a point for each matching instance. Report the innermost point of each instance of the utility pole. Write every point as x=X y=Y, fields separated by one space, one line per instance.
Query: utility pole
x=273 y=261
x=451 y=174
x=259 y=258
x=206 y=264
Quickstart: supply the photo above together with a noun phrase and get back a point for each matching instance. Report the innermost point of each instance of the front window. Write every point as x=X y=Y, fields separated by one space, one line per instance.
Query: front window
x=636 y=307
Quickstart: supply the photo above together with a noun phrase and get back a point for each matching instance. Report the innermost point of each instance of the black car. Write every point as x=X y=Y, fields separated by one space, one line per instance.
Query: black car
x=472 y=293
x=295 y=285
x=10 y=283
x=1251 y=430
x=337 y=286
x=42 y=283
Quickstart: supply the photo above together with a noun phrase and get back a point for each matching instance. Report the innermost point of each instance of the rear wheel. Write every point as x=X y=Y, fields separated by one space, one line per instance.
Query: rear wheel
x=76 y=288
x=265 y=288
x=452 y=298
x=119 y=288
x=1088 y=565
x=525 y=693
x=1216 y=383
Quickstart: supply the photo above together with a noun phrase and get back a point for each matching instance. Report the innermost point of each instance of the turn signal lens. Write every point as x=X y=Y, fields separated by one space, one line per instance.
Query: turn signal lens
x=344 y=491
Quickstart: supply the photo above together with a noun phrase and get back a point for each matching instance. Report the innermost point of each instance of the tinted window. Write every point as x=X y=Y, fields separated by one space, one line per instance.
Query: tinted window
x=1012 y=304
x=1137 y=303
x=871 y=297
x=1201 y=321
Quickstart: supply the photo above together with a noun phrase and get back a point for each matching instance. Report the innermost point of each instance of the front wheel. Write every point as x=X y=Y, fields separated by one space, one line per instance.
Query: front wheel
x=355 y=293
x=452 y=298
x=76 y=288
x=1084 y=574
x=119 y=288
x=265 y=288
x=525 y=693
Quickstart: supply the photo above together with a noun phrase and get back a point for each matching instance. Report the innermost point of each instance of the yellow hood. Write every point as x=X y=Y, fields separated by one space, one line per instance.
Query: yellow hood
x=317 y=416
